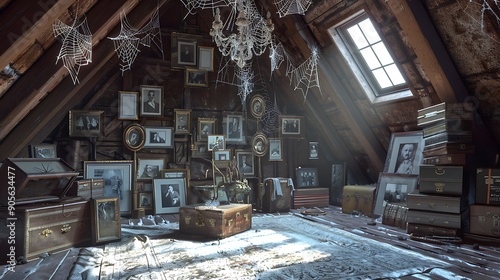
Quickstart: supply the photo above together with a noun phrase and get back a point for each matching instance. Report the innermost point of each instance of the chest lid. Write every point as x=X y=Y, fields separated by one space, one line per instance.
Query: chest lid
x=35 y=179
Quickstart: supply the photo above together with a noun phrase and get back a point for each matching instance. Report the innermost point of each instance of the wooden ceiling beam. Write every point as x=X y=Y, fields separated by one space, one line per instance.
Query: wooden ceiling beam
x=44 y=118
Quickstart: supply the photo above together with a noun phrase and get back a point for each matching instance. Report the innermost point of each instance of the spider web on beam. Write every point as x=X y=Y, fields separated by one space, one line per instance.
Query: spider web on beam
x=127 y=43
x=192 y=5
x=76 y=49
x=477 y=9
x=288 y=7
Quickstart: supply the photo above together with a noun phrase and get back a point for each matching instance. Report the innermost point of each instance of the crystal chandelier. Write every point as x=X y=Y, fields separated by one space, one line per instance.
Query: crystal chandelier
x=254 y=33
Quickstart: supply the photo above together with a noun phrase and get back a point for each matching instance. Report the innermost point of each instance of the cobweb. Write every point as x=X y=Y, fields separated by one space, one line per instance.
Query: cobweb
x=305 y=76
x=276 y=55
x=288 y=7
x=231 y=74
x=76 y=49
x=192 y=5
x=127 y=43
x=486 y=8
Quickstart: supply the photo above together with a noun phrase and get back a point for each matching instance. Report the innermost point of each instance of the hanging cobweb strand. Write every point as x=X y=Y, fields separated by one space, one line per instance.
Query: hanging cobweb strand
x=127 y=43
x=306 y=75
x=245 y=76
x=276 y=55
x=485 y=8
x=192 y=5
x=76 y=49
x=289 y=7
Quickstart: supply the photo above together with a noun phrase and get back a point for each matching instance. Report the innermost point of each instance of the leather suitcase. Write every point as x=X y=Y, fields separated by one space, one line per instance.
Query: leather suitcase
x=446 y=220
x=310 y=197
x=485 y=220
x=426 y=230
x=88 y=188
x=448 y=137
x=45 y=228
x=448 y=148
x=442 y=180
x=437 y=203
x=450 y=159
x=215 y=222
x=443 y=111
x=358 y=198
x=447 y=125
x=488 y=186
x=276 y=195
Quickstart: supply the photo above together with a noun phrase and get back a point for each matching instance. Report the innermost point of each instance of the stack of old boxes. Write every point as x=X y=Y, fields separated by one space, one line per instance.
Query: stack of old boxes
x=485 y=212
x=440 y=205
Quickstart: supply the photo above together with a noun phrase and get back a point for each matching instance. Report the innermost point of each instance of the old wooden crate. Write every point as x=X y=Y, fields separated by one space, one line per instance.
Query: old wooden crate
x=311 y=197
x=217 y=222
x=45 y=228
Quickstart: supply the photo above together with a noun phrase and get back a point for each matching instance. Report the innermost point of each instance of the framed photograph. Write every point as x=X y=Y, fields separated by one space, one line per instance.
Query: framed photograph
x=291 y=126
x=404 y=155
x=149 y=168
x=307 y=177
x=201 y=151
x=206 y=126
x=144 y=200
x=184 y=49
x=86 y=123
x=127 y=105
x=175 y=173
x=393 y=188
x=275 y=149
x=134 y=137
x=151 y=101
x=170 y=195
x=182 y=121
x=105 y=219
x=196 y=78
x=216 y=142
x=221 y=158
x=118 y=178
x=259 y=144
x=43 y=151
x=313 y=150
x=233 y=127
x=245 y=160
x=206 y=58
x=257 y=106
x=338 y=181
x=159 y=137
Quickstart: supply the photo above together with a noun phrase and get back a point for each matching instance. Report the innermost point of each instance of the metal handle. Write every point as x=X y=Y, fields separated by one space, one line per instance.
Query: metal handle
x=65 y=228
x=440 y=172
x=46 y=232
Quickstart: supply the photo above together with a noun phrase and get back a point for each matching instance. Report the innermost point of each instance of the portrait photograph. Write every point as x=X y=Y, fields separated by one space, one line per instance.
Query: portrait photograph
x=291 y=126
x=158 y=137
x=233 y=128
x=313 y=150
x=151 y=101
x=259 y=144
x=245 y=161
x=196 y=78
x=275 y=150
x=43 y=151
x=216 y=142
x=117 y=177
x=134 y=137
x=404 y=155
x=393 y=188
x=257 y=106
x=149 y=168
x=127 y=105
x=86 y=123
x=182 y=121
x=145 y=200
x=105 y=220
x=170 y=195
x=187 y=53
x=206 y=126
x=184 y=51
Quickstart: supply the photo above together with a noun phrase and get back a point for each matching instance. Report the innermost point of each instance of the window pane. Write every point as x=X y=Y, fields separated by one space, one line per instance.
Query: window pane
x=357 y=37
x=370 y=58
x=370 y=32
x=394 y=74
x=382 y=53
x=382 y=78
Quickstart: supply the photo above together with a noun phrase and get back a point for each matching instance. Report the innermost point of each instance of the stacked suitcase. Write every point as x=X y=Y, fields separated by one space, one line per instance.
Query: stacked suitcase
x=440 y=205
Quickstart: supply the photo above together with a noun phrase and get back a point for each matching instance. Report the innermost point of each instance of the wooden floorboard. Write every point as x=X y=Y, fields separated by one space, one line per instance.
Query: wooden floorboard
x=469 y=260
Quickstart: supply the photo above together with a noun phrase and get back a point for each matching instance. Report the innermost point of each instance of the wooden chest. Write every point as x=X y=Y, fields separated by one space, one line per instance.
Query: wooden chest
x=45 y=228
x=310 y=197
x=446 y=220
x=442 y=180
x=216 y=222
x=443 y=111
x=426 y=230
x=485 y=220
x=88 y=188
x=358 y=198
x=488 y=186
x=437 y=203
x=276 y=195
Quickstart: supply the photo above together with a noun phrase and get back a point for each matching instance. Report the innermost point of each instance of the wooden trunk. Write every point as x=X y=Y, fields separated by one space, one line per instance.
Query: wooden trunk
x=217 y=222
x=276 y=196
x=437 y=203
x=488 y=186
x=485 y=220
x=358 y=198
x=45 y=228
x=310 y=197
x=442 y=180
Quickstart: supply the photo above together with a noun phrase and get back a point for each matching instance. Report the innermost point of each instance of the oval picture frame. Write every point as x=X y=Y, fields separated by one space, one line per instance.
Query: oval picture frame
x=134 y=137
x=260 y=144
x=257 y=106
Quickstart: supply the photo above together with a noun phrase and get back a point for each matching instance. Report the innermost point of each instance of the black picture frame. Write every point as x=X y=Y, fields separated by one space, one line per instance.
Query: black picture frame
x=178 y=43
x=398 y=146
x=307 y=177
x=337 y=183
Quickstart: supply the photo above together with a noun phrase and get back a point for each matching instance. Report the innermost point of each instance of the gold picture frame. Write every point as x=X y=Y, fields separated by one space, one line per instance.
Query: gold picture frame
x=181 y=42
x=134 y=137
x=196 y=78
x=106 y=226
x=206 y=126
x=182 y=121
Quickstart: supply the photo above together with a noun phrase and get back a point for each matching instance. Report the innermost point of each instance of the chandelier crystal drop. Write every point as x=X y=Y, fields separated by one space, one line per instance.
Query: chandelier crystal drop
x=254 y=33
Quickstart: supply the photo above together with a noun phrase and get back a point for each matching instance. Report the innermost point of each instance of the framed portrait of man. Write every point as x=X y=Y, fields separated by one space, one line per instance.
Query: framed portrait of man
x=151 y=101
x=234 y=127
x=404 y=155
x=184 y=50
